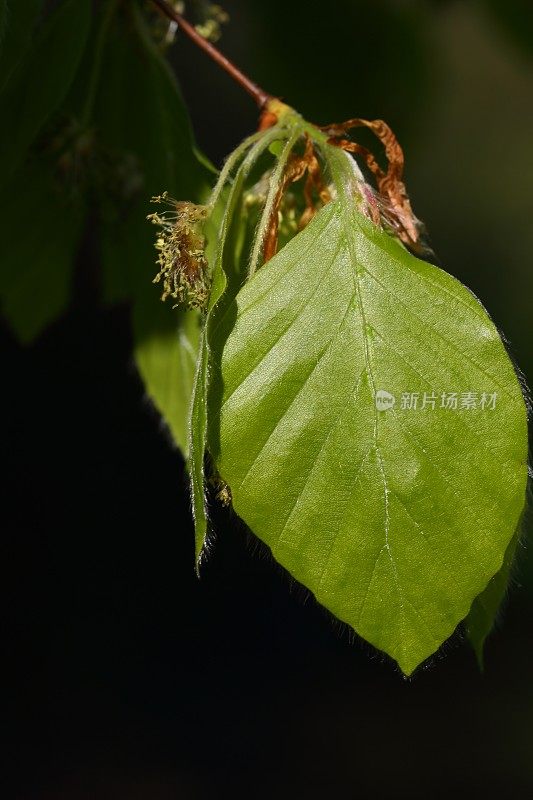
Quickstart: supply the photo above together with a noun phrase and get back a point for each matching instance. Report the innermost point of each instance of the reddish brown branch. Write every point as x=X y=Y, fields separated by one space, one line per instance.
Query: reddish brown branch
x=260 y=96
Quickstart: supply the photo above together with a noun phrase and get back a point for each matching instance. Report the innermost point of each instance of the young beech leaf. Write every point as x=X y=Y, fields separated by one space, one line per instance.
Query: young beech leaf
x=228 y=272
x=371 y=428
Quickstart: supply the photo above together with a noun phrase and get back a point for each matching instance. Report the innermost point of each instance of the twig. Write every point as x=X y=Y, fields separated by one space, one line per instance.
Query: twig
x=260 y=96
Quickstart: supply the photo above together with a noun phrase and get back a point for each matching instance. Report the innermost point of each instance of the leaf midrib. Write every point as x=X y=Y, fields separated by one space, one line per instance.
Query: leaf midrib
x=348 y=220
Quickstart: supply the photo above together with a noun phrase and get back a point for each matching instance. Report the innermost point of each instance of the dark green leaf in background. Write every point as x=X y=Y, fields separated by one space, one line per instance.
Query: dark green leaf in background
x=142 y=122
x=17 y=23
x=145 y=133
x=166 y=351
x=41 y=228
x=3 y=21
x=41 y=81
x=120 y=134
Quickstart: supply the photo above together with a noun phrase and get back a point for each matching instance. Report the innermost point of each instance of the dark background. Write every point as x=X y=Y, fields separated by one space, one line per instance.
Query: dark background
x=128 y=677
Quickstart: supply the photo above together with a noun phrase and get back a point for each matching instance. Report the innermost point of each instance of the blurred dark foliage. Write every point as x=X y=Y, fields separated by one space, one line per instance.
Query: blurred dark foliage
x=129 y=678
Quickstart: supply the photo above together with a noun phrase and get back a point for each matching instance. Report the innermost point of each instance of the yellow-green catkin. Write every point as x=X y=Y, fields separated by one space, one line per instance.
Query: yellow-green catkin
x=181 y=258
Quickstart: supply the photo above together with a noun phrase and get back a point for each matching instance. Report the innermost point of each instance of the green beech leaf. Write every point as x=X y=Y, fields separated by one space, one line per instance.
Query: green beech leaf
x=152 y=141
x=17 y=22
x=166 y=355
x=198 y=416
x=395 y=517
x=229 y=271
x=41 y=81
x=197 y=444
x=3 y=21
x=41 y=228
x=484 y=611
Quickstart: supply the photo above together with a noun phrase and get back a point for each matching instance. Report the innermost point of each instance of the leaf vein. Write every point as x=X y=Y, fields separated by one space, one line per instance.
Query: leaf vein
x=302 y=386
x=283 y=332
x=352 y=395
x=443 y=338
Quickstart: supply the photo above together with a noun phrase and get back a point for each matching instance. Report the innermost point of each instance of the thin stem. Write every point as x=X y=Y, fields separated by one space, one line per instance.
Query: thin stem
x=260 y=96
x=230 y=164
x=245 y=167
x=275 y=181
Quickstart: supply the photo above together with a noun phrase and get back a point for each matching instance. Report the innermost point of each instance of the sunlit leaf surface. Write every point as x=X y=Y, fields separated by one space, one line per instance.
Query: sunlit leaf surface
x=372 y=430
